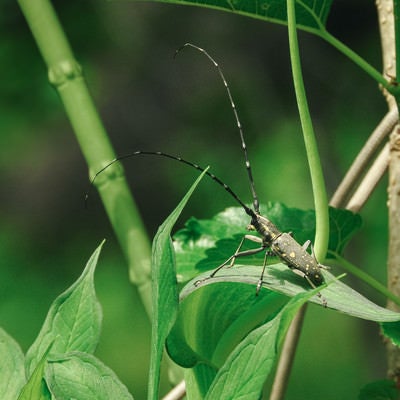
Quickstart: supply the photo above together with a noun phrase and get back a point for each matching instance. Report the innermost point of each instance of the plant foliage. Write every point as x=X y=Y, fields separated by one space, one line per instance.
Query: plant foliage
x=311 y=15
x=60 y=363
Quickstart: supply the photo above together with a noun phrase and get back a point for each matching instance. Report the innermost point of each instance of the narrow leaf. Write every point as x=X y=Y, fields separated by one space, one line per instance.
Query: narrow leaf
x=36 y=387
x=73 y=321
x=164 y=290
x=12 y=373
x=280 y=278
x=82 y=376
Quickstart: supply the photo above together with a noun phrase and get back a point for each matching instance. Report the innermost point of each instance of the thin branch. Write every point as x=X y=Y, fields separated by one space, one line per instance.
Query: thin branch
x=353 y=56
x=357 y=169
x=371 y=179
x=361 y=274
x=287 y=356
x=177 y=393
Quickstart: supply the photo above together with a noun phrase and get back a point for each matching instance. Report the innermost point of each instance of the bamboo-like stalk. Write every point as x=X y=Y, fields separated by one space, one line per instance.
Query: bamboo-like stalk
x=65 y=74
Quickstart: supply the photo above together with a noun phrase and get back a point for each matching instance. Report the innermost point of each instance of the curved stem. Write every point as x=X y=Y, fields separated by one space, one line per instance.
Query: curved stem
x=317 y=179
x=359 y=273
x=320 y=201
x=353 y=56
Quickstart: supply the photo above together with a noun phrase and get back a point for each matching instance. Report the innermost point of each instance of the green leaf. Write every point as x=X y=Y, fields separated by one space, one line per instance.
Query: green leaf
x=343 y=224
x=73 y=321
x=12 y=373
x=243 y=373
x=392 y=331
x=164 y=290
x=204 y=244
x=379 y=390
x=36 y=388
x=280 y=278
x=225 y=314
x=311 y=15
x=79 y=375
x=198 y=380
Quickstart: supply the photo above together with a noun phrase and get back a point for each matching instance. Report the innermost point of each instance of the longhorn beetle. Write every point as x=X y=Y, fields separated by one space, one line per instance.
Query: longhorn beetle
x=272 y=240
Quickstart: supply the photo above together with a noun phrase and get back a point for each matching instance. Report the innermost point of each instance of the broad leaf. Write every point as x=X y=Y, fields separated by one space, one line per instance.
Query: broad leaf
x=82 y=376
x=225 y=314
x=392 y=331
x=164 y=290
x=311 y=15
x=280 y=278
x=73 y=321
x=230 y=320
x=243 y=374
x=343 y=224
x=204 y=244
x=12 y=373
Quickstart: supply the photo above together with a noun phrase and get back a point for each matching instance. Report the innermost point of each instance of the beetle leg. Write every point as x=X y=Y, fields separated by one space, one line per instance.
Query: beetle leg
x=303 y=275
x=260 y=281
x=231 y=260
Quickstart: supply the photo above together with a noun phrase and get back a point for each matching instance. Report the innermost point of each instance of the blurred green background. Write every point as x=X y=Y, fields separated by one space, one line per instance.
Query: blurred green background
x=149 y=101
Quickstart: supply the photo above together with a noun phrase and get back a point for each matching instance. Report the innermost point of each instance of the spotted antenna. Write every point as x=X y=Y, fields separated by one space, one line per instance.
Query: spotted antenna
x=256 y=203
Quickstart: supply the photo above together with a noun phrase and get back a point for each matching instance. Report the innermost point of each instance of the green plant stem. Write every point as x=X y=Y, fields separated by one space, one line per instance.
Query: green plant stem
x=349 y=53
x=359 y=273
x=392 y=87
x=353 y=56
x=317 y=179
x=65 y=74
x=320 y=200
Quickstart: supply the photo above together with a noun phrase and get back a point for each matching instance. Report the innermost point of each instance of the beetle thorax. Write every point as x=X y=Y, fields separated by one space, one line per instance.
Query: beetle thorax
x=265 y=228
